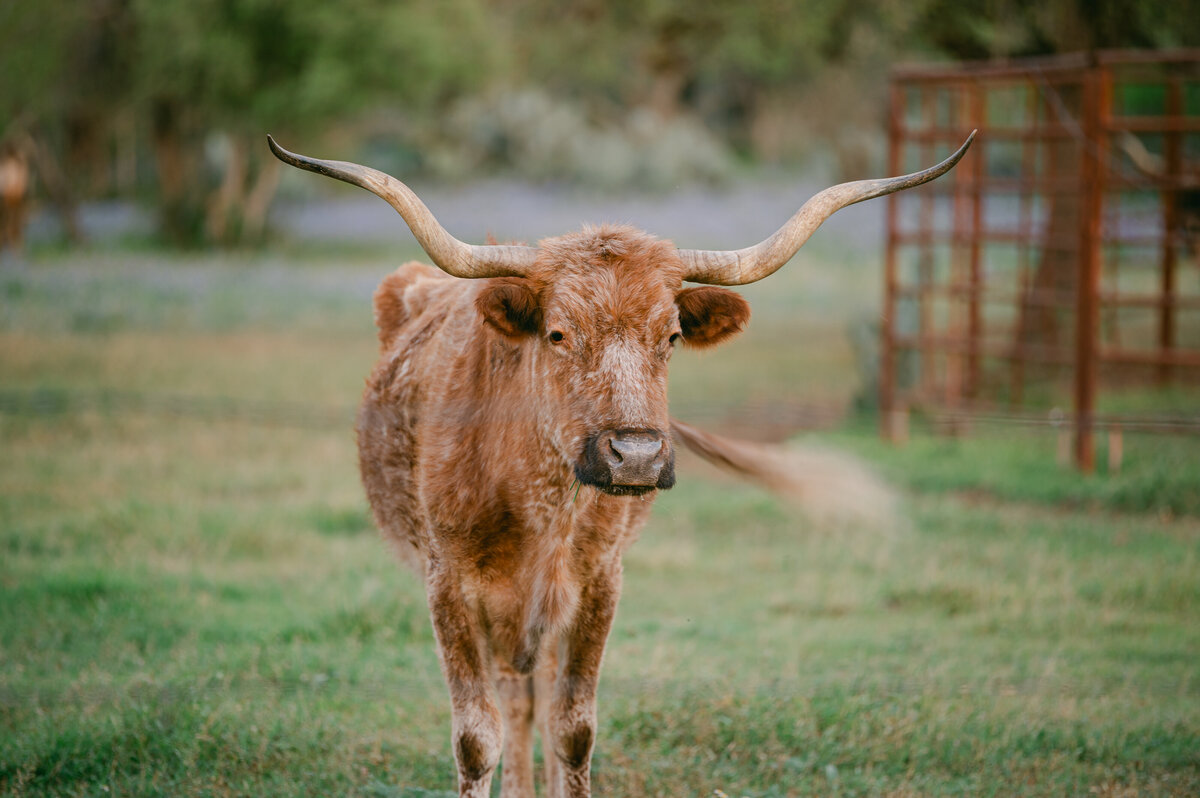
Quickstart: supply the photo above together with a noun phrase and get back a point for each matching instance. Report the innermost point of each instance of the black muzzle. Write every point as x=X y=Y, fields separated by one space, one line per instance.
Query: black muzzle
x=627 y=462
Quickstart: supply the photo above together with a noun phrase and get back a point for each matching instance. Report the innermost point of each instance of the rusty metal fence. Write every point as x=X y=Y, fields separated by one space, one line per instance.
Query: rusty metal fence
x=1061 y=257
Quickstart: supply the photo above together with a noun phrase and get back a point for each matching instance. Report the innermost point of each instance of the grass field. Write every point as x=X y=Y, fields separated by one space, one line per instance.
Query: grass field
x=194 y=603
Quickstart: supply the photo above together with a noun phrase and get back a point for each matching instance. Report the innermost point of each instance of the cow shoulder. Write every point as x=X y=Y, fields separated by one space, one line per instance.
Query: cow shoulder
x=398 y=299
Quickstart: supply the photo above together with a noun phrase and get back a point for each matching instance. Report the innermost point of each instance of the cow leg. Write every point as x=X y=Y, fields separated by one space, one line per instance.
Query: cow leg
x=477 y=727
x=6 y=220
x=12 y=222
x=543 y=692
x=516 y=705
x=573 y=704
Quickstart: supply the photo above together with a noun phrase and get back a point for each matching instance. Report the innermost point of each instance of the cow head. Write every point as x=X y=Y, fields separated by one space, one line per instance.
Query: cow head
x=599 y=313
x=598 y=316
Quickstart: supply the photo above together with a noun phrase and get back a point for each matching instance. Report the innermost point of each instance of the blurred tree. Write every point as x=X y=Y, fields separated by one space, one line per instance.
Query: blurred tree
x=34 y=45
x=198 y=83
x=96 y=99
x=767 y=74
x=974 y=29
x=208 y=78
x=215 y=75
x=37 y=47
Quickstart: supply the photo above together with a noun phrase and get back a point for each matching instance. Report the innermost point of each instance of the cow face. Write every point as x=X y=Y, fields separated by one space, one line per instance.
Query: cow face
x=599 y=319
x=596 y=314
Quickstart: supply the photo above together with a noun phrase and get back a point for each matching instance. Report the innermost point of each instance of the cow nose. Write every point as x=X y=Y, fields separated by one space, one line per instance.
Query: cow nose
x=633 y=458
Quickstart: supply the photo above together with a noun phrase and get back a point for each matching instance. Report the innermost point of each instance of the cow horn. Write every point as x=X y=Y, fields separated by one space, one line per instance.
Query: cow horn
x=447 y=252
x=742 y=266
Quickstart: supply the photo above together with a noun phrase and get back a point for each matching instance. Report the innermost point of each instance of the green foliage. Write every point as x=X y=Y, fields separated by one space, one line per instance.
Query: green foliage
x=754 y=44
x=39 y=59
x=1159 y=474
x=1010 y=28
x=203 y=81
x=289 y=67
x=186 y=90
x=250 y=65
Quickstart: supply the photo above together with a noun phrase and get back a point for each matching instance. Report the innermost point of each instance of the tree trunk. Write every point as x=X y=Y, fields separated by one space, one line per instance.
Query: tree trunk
x=669 y=68
x=1054 y=282
x=125 y=169
x=258 y=202
x=225 y=203
x=87 y=157
x=1051 y=292
x=57 y=186
x=179 y=198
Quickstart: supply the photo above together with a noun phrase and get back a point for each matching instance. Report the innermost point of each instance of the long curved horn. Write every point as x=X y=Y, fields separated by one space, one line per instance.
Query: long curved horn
x=741 y=266
x=447 y=252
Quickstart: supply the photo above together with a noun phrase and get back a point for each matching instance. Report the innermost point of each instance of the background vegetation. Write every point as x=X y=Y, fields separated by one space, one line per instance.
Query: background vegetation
x=170 y=101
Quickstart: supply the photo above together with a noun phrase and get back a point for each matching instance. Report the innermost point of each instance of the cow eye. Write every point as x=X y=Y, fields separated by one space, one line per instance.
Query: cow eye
x=556 y=337
x=674 y=339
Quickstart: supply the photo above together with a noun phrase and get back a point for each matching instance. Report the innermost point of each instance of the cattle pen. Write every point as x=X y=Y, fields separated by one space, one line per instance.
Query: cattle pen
x=1060 y=260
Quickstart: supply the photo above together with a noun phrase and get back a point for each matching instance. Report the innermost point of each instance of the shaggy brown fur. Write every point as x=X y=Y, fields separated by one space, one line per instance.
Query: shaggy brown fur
x=471 y=426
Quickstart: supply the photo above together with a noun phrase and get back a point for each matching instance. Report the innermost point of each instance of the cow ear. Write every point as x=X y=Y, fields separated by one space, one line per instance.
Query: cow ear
x=507 y=304
x=710 y=315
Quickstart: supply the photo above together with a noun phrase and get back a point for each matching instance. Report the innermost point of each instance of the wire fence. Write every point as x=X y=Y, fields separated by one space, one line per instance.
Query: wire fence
x=765 y=420
x=757 y=418
x=38 y=402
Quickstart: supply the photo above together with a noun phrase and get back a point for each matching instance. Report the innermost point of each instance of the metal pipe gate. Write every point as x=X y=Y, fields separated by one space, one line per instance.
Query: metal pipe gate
x=1061 y=256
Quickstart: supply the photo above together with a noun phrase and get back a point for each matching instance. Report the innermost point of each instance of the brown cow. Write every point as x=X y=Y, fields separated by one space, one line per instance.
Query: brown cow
x=14 y=190
x=511 y=440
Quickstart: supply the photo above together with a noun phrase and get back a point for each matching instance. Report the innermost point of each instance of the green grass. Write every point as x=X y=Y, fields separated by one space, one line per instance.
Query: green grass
x=1159 y=474
x=198 y=606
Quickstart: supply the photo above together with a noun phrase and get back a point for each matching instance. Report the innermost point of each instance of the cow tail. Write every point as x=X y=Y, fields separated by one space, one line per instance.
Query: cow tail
x=821 y=482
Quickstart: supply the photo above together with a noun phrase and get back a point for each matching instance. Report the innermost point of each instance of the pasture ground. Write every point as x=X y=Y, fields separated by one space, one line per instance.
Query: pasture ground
x=193 y=602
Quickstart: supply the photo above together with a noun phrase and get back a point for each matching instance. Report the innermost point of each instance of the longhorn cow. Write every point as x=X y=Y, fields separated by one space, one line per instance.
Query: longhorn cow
x=512 y=435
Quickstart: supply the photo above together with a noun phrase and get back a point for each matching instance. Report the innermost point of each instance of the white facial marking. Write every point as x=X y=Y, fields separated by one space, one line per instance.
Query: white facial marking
x=628 y=378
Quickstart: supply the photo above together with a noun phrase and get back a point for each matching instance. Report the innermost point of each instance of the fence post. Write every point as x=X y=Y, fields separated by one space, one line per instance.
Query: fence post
x=976 y=114
x=887 y=344
x=1096 y=85
x=1170 y=202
